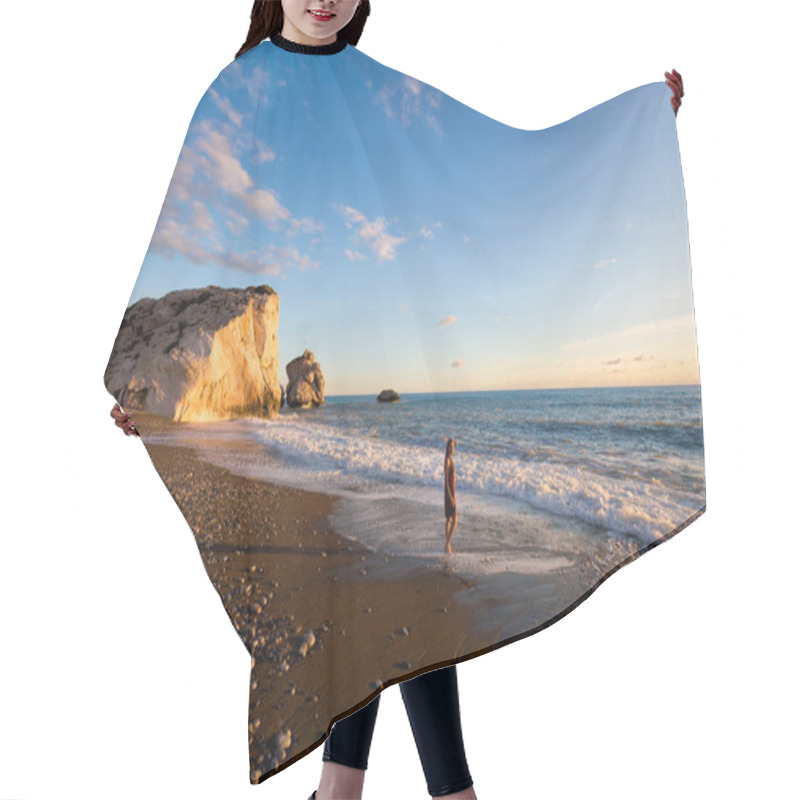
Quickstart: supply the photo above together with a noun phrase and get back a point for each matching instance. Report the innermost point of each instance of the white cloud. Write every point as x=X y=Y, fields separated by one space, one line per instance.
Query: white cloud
x=352 y=214
x=372 y=233
x=237 y=223
x=305 y=225
x=221 y=166
x=264 y=204
x=264 y=153
x=227 y=108
x=406 y=97
x=427 y=231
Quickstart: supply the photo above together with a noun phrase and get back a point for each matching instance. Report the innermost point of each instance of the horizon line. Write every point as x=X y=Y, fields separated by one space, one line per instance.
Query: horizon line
x=532 y=389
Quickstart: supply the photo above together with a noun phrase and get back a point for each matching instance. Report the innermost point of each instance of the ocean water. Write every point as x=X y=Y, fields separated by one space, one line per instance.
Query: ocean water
x=542 y=476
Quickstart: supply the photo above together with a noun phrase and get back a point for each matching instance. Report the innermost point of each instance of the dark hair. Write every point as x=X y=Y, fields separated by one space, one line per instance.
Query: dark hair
x=266 y=18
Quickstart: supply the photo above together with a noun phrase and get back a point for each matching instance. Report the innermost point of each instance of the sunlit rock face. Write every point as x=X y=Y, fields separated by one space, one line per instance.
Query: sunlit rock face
x=199 y=354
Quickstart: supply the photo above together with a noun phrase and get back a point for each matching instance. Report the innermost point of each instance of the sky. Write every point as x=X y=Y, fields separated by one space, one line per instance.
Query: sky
x=418 y=244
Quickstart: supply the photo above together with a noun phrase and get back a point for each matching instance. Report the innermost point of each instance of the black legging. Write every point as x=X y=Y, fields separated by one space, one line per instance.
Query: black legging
x=432 y=706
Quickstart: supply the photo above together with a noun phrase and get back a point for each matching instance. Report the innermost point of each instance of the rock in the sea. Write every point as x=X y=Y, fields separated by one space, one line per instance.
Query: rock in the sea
x=199 y=354
x=306 y=387
x=388 y=396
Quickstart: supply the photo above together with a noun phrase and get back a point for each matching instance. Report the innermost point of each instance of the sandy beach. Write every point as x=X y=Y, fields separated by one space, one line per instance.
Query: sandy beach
x=330 y=623
x=295 y=614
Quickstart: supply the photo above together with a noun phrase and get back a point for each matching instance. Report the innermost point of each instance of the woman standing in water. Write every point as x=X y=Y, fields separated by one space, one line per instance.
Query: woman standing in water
x=317 y=28
x=450 y=512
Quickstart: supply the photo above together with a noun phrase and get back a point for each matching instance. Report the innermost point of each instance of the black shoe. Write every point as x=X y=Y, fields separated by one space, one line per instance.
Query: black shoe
x=313 y=795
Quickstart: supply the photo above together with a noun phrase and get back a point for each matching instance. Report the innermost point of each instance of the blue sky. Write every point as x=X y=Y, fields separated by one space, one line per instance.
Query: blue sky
x=418 y=244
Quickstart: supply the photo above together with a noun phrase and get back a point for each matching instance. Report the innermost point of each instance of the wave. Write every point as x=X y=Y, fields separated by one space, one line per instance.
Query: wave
x=328 y=456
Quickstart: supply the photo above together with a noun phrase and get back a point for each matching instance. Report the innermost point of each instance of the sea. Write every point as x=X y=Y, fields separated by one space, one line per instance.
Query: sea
x=542 y=476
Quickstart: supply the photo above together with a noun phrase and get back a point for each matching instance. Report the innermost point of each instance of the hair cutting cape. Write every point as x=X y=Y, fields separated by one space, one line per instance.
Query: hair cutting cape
x=352 y=268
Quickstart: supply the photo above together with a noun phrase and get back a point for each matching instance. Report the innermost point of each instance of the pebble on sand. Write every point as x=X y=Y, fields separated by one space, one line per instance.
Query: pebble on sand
x=285 y=739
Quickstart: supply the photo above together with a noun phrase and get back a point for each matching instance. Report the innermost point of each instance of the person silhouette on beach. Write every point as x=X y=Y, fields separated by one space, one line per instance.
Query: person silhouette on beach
x=450 y=512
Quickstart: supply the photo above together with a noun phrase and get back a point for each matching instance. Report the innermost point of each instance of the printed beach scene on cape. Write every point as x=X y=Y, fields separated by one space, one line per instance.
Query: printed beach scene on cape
x=350 y=268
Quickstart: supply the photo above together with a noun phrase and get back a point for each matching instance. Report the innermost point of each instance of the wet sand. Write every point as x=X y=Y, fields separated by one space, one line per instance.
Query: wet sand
x=327 y=622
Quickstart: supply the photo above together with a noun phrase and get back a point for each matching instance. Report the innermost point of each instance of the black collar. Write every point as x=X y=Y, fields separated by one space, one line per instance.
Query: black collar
x=311 y=49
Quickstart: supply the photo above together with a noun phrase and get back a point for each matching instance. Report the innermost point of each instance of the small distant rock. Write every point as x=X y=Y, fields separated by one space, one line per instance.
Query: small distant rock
x=388 y=396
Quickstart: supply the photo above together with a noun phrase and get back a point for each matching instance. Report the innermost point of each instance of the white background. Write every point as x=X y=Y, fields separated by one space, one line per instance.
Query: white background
x=120 y=674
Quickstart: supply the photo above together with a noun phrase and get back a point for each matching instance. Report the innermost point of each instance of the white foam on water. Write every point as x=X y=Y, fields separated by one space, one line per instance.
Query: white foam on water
x=326 y=458
x=513 y=517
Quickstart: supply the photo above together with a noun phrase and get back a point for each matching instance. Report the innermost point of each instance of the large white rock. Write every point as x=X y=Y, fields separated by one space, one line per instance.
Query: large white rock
x=199 y=354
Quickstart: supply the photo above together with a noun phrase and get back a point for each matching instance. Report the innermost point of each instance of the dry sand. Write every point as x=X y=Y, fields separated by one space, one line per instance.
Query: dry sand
x=326 y=621
x=329 y=623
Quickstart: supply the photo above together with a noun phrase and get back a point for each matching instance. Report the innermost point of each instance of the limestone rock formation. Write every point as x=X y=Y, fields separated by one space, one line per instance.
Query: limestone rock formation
x=388 y=396
x=306 y=387
x=199 y=354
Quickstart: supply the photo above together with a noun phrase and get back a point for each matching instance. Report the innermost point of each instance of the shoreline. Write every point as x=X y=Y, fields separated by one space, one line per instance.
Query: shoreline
x=332 y=622
x=306 y=617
